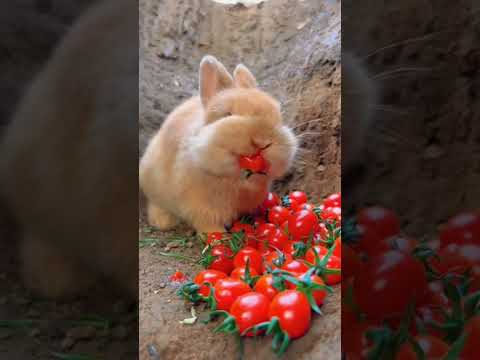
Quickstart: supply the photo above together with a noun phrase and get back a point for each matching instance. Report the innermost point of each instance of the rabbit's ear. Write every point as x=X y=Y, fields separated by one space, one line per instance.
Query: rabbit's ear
x=213 y=78
x=243 y=77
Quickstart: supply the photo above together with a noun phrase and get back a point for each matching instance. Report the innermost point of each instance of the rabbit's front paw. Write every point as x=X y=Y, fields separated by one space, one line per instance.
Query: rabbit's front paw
x=160 y=218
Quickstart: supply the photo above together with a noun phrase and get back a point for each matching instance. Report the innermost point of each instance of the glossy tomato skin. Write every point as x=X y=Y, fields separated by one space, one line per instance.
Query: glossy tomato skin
x=255 y=163
x=278 y=215
x=334 y=200
x=388 y=283
x=278 y=239
x=275 y=260
x=264 y=285
x=250 y=253
x=395 y=242
x=376 y=223
x=472 y=331
x=227 y=290
x=352 y=262
x=302 y=224
x=298 y=196
x=333 y=263
x=310 y=254
x=318 y=295
x=214 y=237
x=246 y=228
x=239 y=273
x=295 y=266
x=463 y=228
x=271 y=200
x=249 y=310
x=208 y=276
x=292 y=309
x=457 y=259
x=223 y=259
x=433 y=347
x=264 y=231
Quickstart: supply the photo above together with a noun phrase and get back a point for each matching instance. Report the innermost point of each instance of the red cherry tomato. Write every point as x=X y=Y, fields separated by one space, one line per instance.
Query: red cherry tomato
x=395 y=242
x=278 y=215
x=375 y=224
x=275 y=259
x=222 y=259
x=178 y=276
x=292 y=309
x=246 y=228
x=388 y=283
x=352 y=263
x=301 y=224
x=433 y=348
x=214 y=238
x=331 y=214
x=255 y=163
x=264 y=285
x=278 y=239
x=249 y=310
x=239 y=273
x=208 y=276
x=290 y=249
x=264 y=231
x=298 y=196
x=310 y=254
x=251 y=254
x=295 y=266
x=318 y=295
x=227 y=290
x=334 y=200
x=472 y=332
x=271 y=200
x=463 y=228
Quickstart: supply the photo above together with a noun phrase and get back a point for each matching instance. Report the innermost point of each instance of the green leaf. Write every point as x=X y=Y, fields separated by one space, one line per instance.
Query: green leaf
x=456 y=348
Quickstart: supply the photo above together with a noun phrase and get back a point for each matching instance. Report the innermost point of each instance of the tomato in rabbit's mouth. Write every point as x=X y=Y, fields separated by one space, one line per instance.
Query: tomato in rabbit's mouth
x=255 y=164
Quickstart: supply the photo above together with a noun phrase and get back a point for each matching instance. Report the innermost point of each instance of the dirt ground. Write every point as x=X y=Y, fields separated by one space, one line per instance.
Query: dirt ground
x=161 y=311
x=294 y=50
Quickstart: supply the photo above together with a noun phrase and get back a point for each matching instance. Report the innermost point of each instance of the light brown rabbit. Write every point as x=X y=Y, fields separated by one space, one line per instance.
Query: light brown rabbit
x=190 y=168
x=69 y=159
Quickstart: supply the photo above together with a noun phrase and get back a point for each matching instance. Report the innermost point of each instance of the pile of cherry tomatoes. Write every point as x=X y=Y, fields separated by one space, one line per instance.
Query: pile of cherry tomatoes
x=404 y=299
x=271 y=271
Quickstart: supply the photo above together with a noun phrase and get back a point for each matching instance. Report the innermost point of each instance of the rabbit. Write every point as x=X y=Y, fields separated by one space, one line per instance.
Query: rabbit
x=69 y=159
x=190 y=169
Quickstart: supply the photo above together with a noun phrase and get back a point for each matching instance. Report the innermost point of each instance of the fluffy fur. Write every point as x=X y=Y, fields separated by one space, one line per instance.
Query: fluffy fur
x=190 y=168
x=69 y=160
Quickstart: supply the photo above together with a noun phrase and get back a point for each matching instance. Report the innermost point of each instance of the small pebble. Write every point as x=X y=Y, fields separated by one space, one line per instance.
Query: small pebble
x=190 y=244
x=162 y=285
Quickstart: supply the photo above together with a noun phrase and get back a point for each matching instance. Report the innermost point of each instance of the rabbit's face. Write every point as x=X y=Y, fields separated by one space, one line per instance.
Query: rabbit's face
x=247 y=120
x=240 y=120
